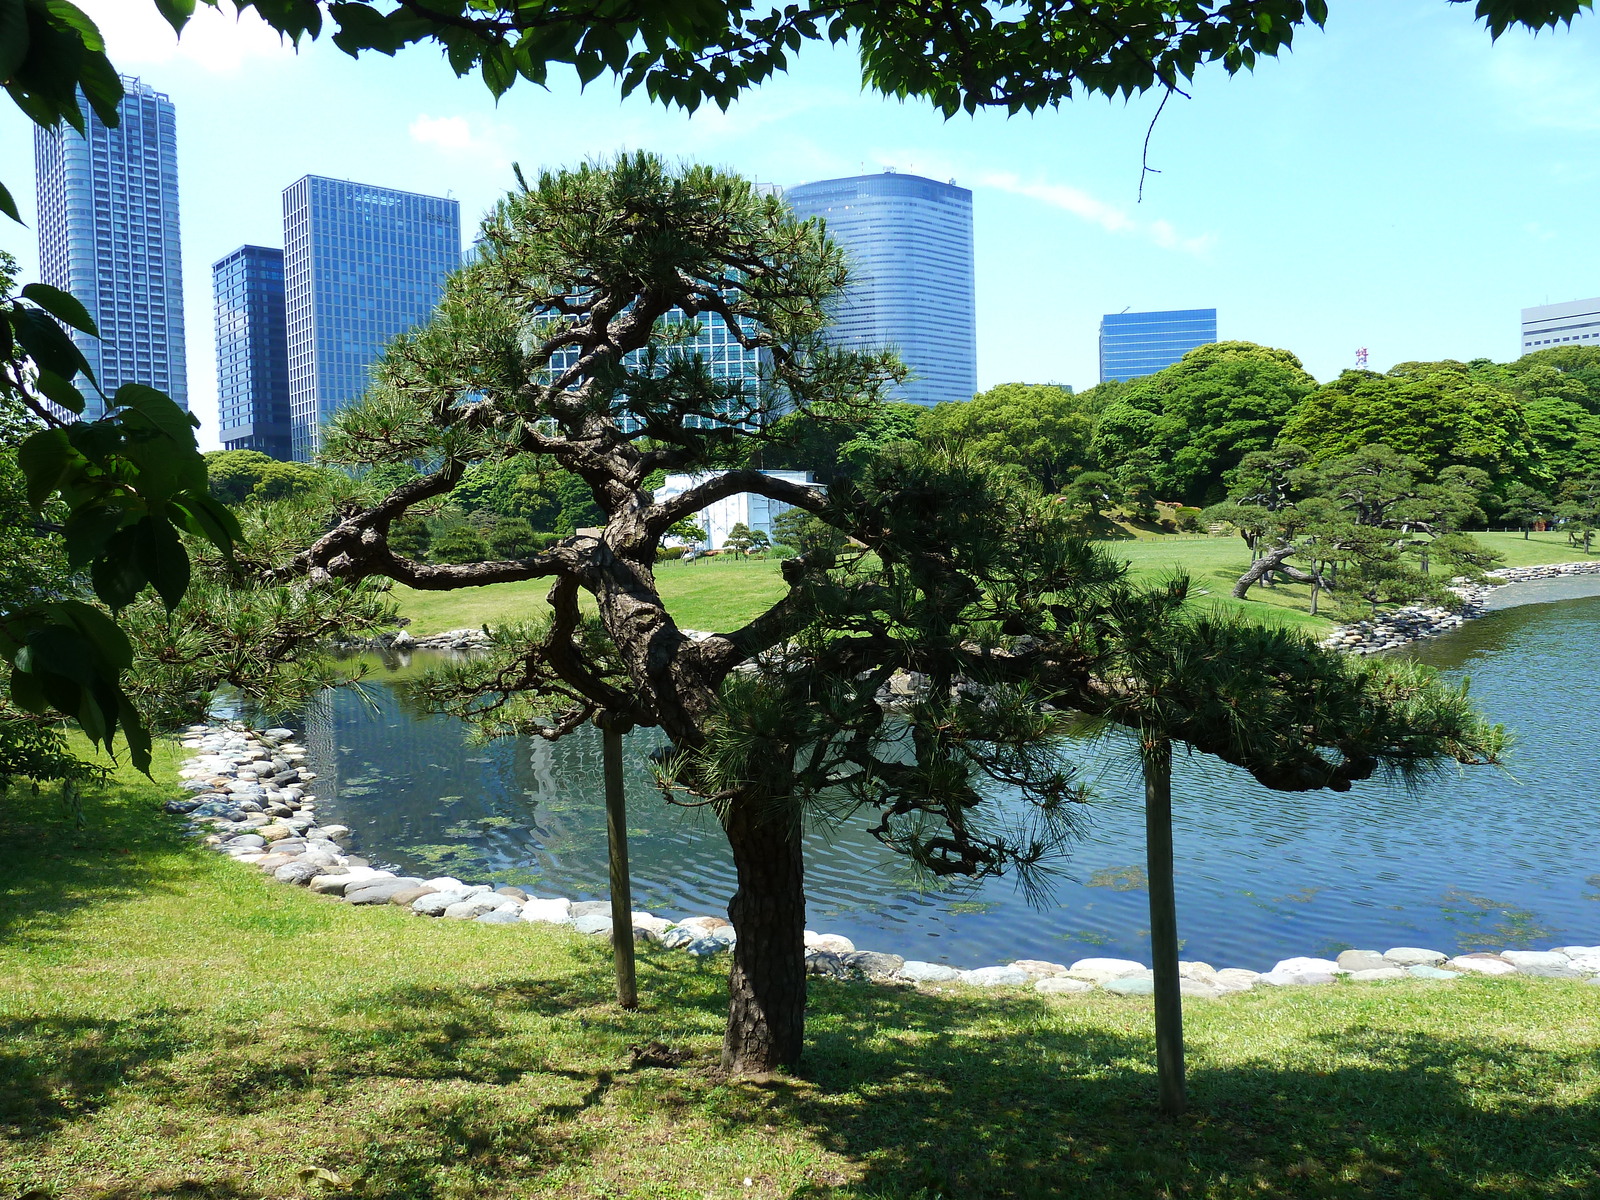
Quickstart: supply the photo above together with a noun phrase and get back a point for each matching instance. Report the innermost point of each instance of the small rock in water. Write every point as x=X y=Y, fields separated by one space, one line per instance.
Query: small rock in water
x=926 y=972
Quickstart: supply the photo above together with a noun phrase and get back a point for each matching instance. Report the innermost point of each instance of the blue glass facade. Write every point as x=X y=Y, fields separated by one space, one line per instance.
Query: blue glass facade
x=252 y=351
x=108 y=233
x=912 y=284
x=1134 y=344
x=361 y=265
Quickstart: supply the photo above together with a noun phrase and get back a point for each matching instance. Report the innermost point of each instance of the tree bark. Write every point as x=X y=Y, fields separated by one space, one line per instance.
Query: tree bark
x=617 y=846
x=767 y=987
x=1163 y=925
x=1262 y=567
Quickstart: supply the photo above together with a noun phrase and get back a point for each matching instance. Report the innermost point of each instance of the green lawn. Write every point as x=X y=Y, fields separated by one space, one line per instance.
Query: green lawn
x=722 y=593
x=173 y=1025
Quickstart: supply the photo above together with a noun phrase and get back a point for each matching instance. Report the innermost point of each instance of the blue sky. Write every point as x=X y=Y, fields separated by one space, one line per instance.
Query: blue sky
x=1399 y=182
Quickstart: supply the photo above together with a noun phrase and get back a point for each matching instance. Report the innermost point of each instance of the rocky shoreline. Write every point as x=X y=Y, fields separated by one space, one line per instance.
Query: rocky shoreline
x=1415 y=622
x=246 y=794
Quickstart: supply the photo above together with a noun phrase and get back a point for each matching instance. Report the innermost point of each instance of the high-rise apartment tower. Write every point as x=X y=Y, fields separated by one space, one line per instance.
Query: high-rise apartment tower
x=361 y=264
x=1571 y=322
x=1141 y=343
x=252 y=351
x=108 y=233
x=912 y=282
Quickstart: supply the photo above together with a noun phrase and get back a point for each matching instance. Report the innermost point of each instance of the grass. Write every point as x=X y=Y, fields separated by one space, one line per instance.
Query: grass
x=173 y=1025
x=723 y=593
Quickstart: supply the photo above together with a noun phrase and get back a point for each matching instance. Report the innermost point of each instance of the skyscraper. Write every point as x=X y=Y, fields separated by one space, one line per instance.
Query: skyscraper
x=912 y=286
x=108 y=233
x=1571 y=321
x=1135 y=344
x=361 y=264
x=252 y=351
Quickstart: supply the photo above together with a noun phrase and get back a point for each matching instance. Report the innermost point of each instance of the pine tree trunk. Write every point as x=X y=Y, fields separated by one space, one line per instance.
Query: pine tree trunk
x=767 y=987
x=1163 y=926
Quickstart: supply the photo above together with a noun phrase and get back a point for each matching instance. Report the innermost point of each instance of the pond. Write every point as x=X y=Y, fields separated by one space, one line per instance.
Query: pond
x=1474 y=859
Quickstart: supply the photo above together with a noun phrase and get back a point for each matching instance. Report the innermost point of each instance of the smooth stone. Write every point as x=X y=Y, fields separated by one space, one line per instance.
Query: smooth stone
x=276 y=832
x=1038 y=968
x=1522 y=959
x=1481 y=964
x=1427 y=971
x=1372 y=974
x=1553 y=972
x=831 y=943
x=1059 y=985
x=927 y=972
x=648 y=924
x=515 y=893
x=1237 y=979
x=548 y=912
x=1296 y=978
x=678 y=938
x=585 y=908
x=1202 y=971
x=500 y=916
x=823 y=963
x=379 y=892
x=252 y=840
x=1363 y=960
x=1589 y=964
x=726 y=934
x=1303 y=966
x=1579 y=951
x=301 y=872
x=334 y=833
x=1414 y=956
x=995 y=977
x=409 y=896
x=330 y=884
x=1131 y=985
x=591 y=922
x=1197 y=987
x=272 y=862
x=445 y=883
x=472 y=906
x=433 y=905
x=1101 y=970
x=705 y=947
x=700 y=926
x=872 y=964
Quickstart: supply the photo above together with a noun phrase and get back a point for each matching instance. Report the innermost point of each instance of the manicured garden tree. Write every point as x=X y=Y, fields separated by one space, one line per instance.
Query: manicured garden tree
x=560 y=341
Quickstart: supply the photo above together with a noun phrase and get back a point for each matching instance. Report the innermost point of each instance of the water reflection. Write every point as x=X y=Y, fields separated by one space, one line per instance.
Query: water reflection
x=1472 y=859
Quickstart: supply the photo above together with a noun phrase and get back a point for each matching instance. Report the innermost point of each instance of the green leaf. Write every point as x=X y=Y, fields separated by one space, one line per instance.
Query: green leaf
x=160 y=410
x=63 y=306
x=13 y=36
x=119 y=576
x=134 y=732
x=163 y=558
x=26 y=692
x=45 y=458
x=103 y=633
x=47 y=343
x=211 y=519
x=177 y=12
x=86 y=532
x=8 y=205
x=59 y=391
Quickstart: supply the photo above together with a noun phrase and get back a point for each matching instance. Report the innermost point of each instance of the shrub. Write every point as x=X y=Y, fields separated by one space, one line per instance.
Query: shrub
x=669 y=553
x=459 y=544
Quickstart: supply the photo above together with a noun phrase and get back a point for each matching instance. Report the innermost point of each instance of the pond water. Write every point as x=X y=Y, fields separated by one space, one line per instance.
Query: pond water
x=1474 y=859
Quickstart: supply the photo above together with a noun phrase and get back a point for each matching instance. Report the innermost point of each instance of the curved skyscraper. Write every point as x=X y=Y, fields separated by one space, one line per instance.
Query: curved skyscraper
x=108 y=233
x=912 y=289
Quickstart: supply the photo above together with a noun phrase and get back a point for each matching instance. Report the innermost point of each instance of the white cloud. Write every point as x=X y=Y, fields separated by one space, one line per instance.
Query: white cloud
x=474 y=137
x=216 y=39
x=1090 y=208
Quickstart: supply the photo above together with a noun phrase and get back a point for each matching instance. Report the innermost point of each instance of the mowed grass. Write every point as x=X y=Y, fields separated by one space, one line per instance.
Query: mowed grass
x=173 y=1025
x=723 y=593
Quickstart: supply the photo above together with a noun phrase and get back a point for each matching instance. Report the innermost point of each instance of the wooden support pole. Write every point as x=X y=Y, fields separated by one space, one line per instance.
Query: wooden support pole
x=1163 y=925
x=617 y=852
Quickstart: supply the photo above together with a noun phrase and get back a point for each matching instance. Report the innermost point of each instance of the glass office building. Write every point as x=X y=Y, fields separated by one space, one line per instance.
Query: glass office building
x=252 y=351
x=1134 y=344
x=361 y=264
x=912 y=282
x=108 y=233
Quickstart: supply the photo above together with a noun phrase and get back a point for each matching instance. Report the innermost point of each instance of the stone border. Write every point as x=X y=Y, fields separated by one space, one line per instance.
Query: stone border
x=1413 y=623
x=246 y=796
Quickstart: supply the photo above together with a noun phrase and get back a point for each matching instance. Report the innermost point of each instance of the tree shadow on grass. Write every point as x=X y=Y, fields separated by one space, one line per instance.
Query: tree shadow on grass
x=51 y=869
x=958 y=1109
